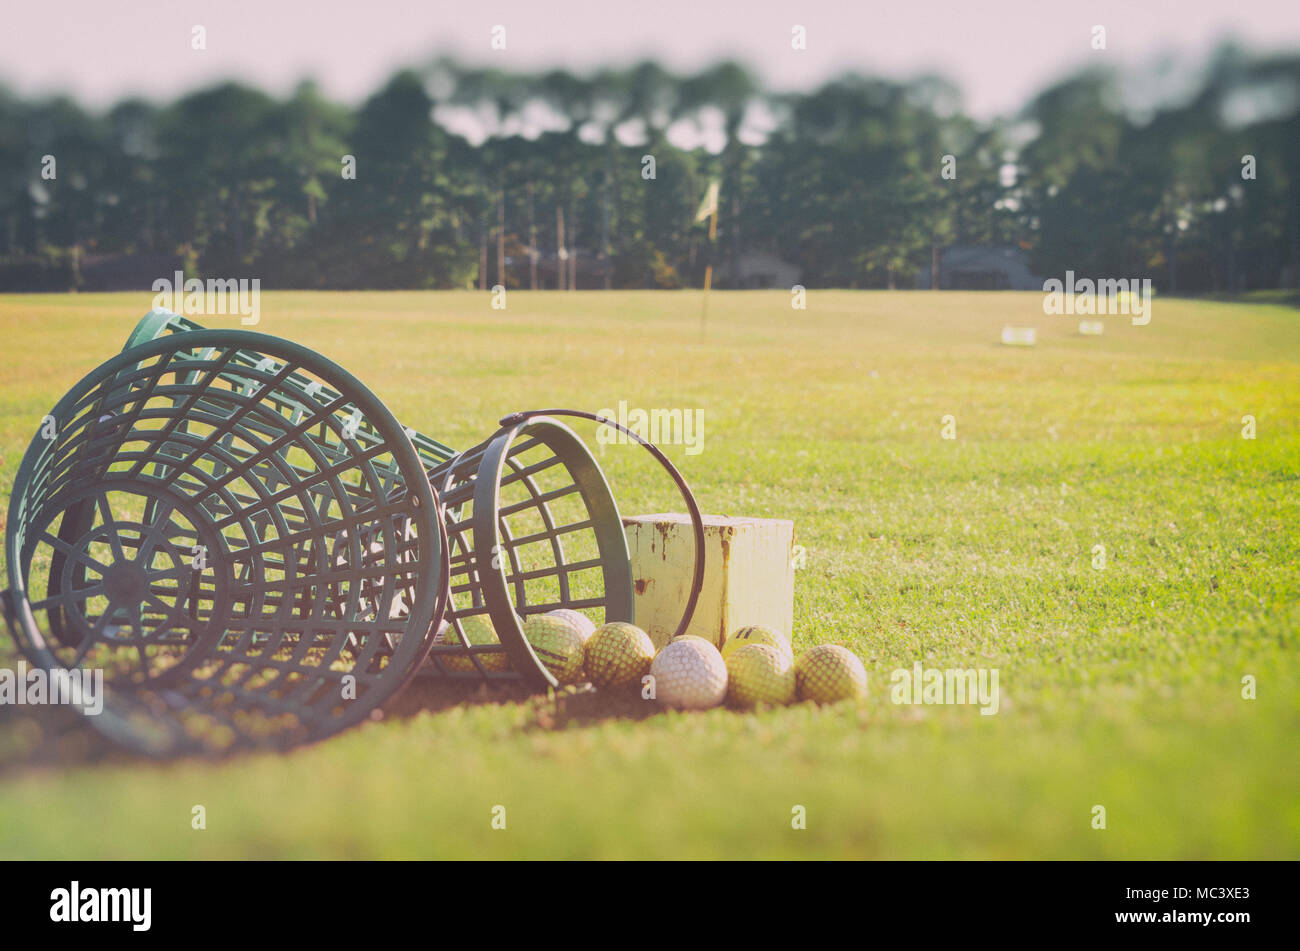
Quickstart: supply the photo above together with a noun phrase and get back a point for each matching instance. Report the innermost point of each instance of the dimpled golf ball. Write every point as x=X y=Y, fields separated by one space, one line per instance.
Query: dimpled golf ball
x=558 y=643
x=585 y=625
x=829 y=673
x=618 y=653
x=689 y=674
x=439 y=635
x=759 y=673
x=478 y=630
x=756 y=634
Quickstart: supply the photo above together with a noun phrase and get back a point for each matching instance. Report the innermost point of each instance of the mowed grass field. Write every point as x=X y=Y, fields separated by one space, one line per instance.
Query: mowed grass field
x=1120 y=687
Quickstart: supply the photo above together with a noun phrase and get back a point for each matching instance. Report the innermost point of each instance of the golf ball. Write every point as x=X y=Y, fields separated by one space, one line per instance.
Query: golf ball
x=478 y=630
x=558 y=643
x=759 y=673
x=756 y=634
x=828 y=673
x=618 y=653
x=689 y=674
x=585 y=625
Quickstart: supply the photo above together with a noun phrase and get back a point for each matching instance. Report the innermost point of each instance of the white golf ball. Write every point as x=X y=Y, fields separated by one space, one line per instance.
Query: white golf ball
x=585 y=625
x=689 y=674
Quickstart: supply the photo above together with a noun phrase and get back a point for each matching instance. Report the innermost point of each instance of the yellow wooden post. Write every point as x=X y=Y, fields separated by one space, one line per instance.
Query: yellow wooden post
x=748 y=578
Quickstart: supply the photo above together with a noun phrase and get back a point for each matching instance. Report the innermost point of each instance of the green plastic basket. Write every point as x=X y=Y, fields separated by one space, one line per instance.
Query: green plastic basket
x=237 y=533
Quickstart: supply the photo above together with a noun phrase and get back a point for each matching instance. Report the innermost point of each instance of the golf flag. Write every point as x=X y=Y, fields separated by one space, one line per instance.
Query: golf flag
x=710 y=204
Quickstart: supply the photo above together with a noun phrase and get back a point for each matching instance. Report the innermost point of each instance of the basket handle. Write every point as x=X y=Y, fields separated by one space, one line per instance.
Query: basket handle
x=697 y=521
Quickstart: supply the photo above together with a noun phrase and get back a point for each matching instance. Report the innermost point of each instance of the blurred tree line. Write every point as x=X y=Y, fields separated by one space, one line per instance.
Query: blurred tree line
x=468 y=177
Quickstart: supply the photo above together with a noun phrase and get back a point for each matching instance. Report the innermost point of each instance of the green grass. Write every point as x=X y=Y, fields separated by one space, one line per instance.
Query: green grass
x=1120 y=687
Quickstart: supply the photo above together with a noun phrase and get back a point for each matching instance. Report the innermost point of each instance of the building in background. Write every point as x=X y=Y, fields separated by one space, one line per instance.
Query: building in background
x=759 y=269
x=968 y=267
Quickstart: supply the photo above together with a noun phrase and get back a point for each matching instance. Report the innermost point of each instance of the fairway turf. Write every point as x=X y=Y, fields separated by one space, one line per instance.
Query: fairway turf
x=1120 y=687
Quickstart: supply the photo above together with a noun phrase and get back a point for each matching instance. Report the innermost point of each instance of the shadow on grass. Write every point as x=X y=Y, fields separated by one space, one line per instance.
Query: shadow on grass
x=573 y=706
x=48 y=737
x=55 y=737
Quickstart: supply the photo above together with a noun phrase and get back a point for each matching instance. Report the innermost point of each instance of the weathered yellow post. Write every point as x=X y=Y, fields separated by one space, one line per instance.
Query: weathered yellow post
x=749 y=574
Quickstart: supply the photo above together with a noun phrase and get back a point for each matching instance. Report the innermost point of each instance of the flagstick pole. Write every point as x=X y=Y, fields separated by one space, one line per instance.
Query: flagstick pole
x=708 y=270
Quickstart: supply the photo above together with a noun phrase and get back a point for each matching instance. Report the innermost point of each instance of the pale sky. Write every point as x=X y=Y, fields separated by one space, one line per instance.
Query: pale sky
x=998 y=51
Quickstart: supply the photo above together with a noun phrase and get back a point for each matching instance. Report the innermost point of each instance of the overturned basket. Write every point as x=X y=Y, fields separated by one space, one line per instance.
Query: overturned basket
x=256 y=553
x=532 y=526
x=223 y=523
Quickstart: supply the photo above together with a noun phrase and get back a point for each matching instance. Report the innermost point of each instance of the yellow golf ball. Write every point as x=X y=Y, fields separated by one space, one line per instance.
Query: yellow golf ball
x=756 y=634
x=759 y=673
x=828 y=673
x=478 y=630
x=618 y=653
x=558 y=643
